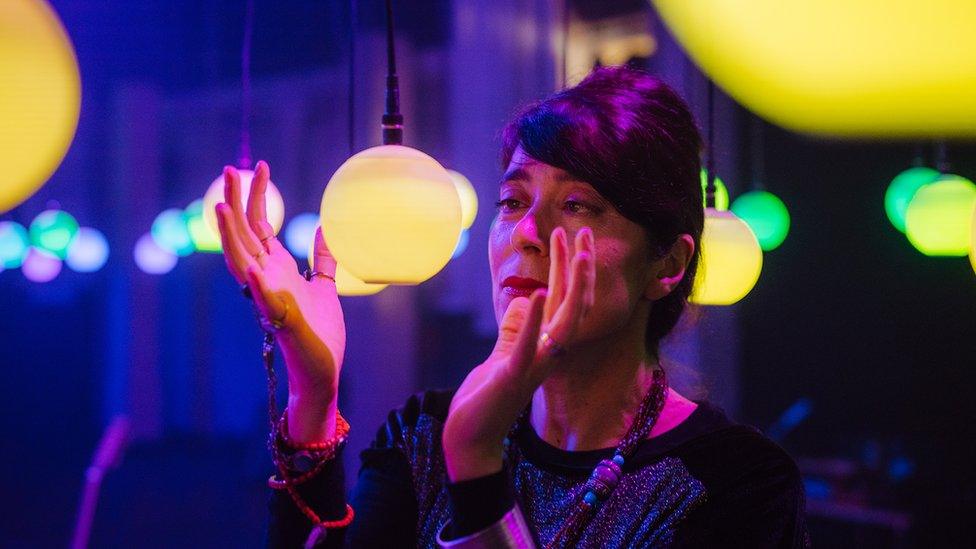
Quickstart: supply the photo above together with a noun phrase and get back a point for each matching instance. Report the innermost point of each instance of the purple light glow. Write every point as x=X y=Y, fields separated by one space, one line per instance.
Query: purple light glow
x=151 y=258
x=40 y=265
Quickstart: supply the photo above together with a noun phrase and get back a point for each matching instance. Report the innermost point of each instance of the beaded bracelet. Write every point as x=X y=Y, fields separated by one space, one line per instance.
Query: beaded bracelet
x=342 y=432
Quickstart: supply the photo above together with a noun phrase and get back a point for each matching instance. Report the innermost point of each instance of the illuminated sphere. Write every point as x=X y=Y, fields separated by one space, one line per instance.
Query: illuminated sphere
x=938 y=220
x=391 y=214
x=902 y=189
x=721 y=192
x=151 y=258
x=88 y=251
x=462 y=243
x=53 y=230
x=204 y=238
x=41 y=265
x=170 y=232
x=766 y=215
x=14 y=243
x=468 y=196
x=300 y=234
x=731 y=260
x=346 y=284
x=838 y=67
x=972 y=241
x=40 y=97
x=274 y=205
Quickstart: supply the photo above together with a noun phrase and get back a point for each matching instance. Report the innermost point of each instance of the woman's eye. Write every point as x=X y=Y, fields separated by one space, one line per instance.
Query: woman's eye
x=577 y=207
x=508 y=204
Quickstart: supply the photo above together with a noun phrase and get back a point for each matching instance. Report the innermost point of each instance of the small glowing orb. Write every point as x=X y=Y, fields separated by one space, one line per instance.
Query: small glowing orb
x=902 y=189
x=52 y=230
x=391 y=215
x=39 y=100
x=170 y=232
x=151 y=258
x=14 y=244
x=462 y=243
x=41 y=265
x=731 y=260
x=273 y=203
x=839 y=67
x=766 y=215
x=346 y=284
x=88 y=251
x=300 y=234
x=468 y=196
x=938 y=220
x=972 y=241
x=204 y=238
x=721 y=192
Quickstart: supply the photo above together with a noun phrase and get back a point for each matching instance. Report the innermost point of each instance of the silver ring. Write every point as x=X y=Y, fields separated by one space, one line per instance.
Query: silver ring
x=260 y=253
x=310 y=274
x=553 y=349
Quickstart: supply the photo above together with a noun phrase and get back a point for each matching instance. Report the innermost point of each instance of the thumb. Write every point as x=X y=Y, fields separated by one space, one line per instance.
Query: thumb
x=512 y=324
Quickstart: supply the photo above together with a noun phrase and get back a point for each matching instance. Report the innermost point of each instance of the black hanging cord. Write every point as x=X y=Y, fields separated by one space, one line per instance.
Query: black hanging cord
x=941 y=161
x=244 y=160
x=392 y=119
x=710 y=149
x=352 y=77
x=758 y=155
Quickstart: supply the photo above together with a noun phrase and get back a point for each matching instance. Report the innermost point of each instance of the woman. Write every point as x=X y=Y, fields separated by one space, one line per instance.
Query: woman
x=567 y=434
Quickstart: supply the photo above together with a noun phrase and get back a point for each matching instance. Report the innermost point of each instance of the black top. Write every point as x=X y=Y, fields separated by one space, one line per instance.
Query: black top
x=707 y=482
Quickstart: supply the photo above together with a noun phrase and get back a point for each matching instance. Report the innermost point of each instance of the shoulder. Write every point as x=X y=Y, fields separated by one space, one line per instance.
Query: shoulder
x=421 y=411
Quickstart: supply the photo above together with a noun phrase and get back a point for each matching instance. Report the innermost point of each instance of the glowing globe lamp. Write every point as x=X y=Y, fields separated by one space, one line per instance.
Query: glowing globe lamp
x=468 y=196
x=39 y=100
x=938 y=220
x=300 y=234
x=902 y=189
x=766 y=215
x=274 y=205
x=52 y=230
x=462 y=243
x=204 y=238
x=14 y=244
x=88 y=251
x=170 y=232
x=41 y=265
x=346 y=284
x=972 y=242
x=721 y=192
x=811 y=66
x=151 y=258
x=391 y=215
x=731 y=260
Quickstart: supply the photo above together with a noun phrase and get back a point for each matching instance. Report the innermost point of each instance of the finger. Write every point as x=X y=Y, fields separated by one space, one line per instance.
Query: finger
x=232 y=195
x=590 y=290
x=236 y=257
x=269 y=303
x=572 y=309
x=525 y=352
x=322 y=259
x=257 y=216
x=558 y=254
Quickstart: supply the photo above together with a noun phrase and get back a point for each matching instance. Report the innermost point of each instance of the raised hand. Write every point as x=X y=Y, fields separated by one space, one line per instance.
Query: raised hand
x=532 y=335
x=305 y=314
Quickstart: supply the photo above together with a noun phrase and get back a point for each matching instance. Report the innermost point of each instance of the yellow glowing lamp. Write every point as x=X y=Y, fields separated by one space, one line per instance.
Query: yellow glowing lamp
x=836 y=66
x=274 y=204
x=731 y=260
x=972 y=240
x=391 y=215
x=938 y=221
x=40 y=97
x=468 y=196
x=346 y=284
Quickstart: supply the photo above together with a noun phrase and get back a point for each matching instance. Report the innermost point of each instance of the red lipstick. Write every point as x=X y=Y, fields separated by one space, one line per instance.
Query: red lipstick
x=517 y=286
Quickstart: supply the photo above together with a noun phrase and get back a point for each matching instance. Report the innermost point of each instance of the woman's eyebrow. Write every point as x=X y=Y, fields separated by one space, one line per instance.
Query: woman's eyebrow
x=515 y=174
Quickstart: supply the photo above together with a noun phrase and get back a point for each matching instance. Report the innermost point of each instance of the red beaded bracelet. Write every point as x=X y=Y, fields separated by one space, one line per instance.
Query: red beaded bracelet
x=342 y=431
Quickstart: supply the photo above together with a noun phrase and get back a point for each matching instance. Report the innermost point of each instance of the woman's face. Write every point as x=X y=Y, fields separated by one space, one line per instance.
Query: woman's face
x=534 y=199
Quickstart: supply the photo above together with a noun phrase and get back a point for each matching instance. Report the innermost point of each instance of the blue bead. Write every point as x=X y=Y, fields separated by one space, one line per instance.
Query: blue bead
x=590 y=498
x=618 y=459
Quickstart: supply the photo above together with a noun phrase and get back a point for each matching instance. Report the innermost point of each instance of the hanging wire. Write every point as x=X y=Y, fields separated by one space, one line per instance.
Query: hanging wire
x=710 y=149
x=758 y=144
x=352 y=77
x=567 y=18
x=244 y=160
x=941 y=161
x=392 y=122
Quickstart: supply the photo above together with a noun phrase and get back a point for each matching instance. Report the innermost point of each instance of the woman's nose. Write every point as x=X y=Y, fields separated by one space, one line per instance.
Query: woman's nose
x=531 y=234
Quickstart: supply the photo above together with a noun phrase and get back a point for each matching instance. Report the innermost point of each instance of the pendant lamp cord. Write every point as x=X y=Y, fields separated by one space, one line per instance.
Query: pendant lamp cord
x=710 y=149
x=567 y=6
x=941 y=161
x=392 y=119
x=352 y=77
x=244 y=160
x=758 y=155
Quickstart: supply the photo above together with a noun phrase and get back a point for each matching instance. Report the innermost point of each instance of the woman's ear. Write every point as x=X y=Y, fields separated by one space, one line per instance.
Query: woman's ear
x=669 y=270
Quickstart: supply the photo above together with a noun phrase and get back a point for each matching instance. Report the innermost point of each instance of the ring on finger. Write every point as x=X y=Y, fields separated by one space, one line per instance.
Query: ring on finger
x=310 y=274
x=267 y=238
x=260 y=254
x=551 y=346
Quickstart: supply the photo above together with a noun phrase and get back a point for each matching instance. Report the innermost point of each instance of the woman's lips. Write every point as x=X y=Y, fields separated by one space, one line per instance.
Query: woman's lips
x=517 y=286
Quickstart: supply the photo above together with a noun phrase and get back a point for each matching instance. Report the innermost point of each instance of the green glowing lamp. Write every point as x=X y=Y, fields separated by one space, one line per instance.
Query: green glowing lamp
x=204 y=238
x=972 y=241
x=170 y=232
x=721 y=192
x=53 y=231
x=14 y=243
x=766 y=215
x=938 y=220
x=901 y=190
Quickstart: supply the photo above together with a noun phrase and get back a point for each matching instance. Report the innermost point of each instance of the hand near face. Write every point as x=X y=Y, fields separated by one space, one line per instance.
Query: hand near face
x=492 y=396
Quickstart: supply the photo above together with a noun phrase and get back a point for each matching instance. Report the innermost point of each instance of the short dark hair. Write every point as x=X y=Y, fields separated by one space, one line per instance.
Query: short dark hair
x=631 y=137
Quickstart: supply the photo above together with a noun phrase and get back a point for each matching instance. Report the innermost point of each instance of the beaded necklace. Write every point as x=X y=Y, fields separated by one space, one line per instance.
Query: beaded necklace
x=607 y=474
